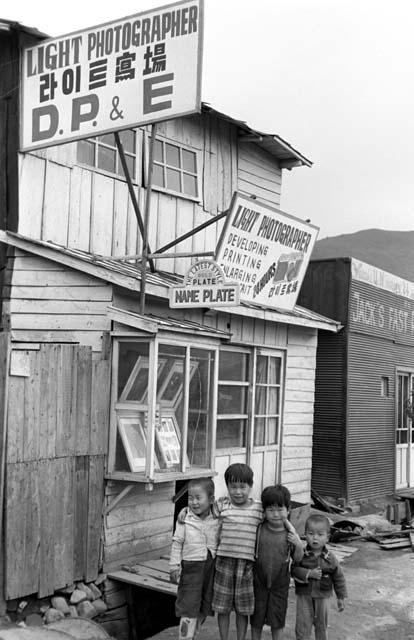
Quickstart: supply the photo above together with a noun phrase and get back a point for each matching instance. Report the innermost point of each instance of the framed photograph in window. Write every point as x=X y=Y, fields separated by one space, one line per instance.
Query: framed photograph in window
x=171 y=389
x=134 y=440
x=168 y=438
x=136 y=387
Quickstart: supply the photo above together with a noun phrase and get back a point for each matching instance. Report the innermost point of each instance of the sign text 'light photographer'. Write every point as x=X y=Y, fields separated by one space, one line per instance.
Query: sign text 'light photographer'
x=122 y=74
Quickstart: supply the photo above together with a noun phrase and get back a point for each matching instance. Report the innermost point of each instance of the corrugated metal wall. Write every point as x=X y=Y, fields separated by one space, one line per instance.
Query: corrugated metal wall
x=328 y=456
x=371 y=418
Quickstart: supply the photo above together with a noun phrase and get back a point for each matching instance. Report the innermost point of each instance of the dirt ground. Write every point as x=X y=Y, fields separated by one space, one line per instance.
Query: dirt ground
x=380 y=604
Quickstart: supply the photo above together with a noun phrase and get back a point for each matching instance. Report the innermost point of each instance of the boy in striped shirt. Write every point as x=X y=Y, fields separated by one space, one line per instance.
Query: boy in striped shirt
x=240 y=516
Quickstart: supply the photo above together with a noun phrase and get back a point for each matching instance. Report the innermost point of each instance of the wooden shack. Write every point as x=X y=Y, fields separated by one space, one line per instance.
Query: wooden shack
x=106 y=413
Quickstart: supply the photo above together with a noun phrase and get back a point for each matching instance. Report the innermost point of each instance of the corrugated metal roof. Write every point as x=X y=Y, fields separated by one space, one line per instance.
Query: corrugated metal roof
x=129 y=276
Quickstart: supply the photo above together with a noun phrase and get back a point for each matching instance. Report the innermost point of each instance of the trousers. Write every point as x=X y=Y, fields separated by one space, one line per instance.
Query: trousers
x=311 y=612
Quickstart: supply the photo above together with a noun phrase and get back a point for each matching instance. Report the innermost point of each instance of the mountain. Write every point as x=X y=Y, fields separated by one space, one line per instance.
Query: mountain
x=391 y=251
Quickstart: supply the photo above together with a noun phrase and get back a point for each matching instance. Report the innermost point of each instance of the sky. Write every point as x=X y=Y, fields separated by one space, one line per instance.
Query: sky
x=334 y=78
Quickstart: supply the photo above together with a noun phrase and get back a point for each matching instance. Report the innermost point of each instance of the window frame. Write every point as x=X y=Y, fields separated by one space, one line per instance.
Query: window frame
x=112 y=174
x=181 y=146
x=150 y=474
x=274 y=353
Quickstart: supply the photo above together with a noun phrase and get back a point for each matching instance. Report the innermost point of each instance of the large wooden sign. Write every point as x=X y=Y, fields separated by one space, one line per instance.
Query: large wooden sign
x=141 y=69
x=265 y=251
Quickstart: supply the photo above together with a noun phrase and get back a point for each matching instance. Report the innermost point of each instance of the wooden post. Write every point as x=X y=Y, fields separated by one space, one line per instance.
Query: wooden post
x=145 y=248
x=4 y=378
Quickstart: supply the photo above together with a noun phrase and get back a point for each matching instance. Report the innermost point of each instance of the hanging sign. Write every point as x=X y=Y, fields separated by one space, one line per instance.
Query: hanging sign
x=266 y=251
x=205 y=286
x=123 y=74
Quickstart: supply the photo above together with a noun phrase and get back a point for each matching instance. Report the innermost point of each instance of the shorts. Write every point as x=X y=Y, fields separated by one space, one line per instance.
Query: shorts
x=195 y=588
x=270 y=604
x=233 y=586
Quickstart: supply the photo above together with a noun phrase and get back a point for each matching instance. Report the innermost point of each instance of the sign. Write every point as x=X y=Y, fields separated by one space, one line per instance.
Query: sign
x=382 y=279
x=122 y=74
x=205 y=286
x=266 y=251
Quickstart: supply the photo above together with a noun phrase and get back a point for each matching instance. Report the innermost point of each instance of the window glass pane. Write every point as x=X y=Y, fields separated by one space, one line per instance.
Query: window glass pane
x=108 y=138
x=172 y=155
x=128 y=140
x=158 y=175
x=233 y=365
x=106 y=159
x=273 y=397
x=260 y=401
x=259 y=432
x=189 y=161
x=231 y=433
x=190 y=185
x=199 y=408
x=272 y=430
x=274 y=370
x=158 y=151
x=261 y=369
x=173 y=180
x=133 y=371
x=403 y=436
x=131 y=441
x=86 y=152
x=232 y=400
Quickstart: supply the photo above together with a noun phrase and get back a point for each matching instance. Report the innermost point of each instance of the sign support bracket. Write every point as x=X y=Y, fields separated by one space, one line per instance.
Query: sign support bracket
x=193 y=231
x=132 y=192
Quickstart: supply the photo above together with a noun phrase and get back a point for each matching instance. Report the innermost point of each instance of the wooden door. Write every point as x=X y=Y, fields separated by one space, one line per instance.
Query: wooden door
x=404 y=430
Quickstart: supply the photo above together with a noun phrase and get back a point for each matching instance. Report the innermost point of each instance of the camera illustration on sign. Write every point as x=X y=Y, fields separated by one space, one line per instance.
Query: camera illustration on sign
x=266 y=251
x=205 y=286
x=123 y=74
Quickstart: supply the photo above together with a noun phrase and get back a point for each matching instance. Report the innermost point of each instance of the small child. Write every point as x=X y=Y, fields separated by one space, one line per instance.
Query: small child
x=233 y=581
x=192 y=556
x=315 y=575
x=277 y=542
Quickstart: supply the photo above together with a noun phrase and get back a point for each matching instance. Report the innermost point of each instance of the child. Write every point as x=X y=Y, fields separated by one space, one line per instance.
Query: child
x=193 y=551
x=233 y=581
x=277 y=541
x=315 y=575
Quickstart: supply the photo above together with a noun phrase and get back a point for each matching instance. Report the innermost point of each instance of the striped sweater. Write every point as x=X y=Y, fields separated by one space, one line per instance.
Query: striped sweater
x=238 y=528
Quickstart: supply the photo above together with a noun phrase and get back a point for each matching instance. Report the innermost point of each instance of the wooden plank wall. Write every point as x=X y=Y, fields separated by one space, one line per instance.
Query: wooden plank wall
x=139 y=526
x=78 y=207
x=58 y=415
x=298 y=411
x=48 y=302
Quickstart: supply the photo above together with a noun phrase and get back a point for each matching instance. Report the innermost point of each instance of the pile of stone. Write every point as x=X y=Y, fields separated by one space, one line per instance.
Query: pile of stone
x=102 y=600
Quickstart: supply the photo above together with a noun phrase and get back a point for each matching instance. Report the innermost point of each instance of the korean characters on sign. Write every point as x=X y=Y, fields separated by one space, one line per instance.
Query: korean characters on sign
x=126 y=73
x=266 y=251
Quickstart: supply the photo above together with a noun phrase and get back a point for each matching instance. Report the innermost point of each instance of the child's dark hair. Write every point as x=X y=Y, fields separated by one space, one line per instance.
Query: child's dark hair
x=318 y=519
x=239 y=472
x=205 y=483
x=277 y=495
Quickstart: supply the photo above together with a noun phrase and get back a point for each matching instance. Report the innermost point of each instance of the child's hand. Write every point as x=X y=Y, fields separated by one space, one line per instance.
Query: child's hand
x=341 y=604
x=315 y=574
x=174 y=575
x=294 y=539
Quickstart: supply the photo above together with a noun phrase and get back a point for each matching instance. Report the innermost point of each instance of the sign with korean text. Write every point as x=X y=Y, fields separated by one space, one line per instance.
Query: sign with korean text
x=266 y=251
x=122 y=74
x=205 y=286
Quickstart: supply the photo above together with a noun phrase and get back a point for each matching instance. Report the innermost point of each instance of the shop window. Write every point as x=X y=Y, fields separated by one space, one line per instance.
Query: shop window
x=243 y=374
x=176 y=169
x=102 y=153
x=267 y=400
x=162 y=408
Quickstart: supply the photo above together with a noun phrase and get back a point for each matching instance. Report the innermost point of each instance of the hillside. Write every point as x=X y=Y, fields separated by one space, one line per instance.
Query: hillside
x=391 y=251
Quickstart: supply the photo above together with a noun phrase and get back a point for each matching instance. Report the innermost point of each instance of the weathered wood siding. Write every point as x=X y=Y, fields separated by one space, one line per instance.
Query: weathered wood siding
x=58 y=416
x=140 y=526
x=87 y=209
x=259 y=174
x=48 y=302
x=298 y=411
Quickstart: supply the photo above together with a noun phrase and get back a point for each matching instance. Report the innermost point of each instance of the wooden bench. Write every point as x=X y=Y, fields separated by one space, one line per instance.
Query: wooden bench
x=150 y=574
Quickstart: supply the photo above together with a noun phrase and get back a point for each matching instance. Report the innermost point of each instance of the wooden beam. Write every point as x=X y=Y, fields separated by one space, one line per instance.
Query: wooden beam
x=185 y=254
